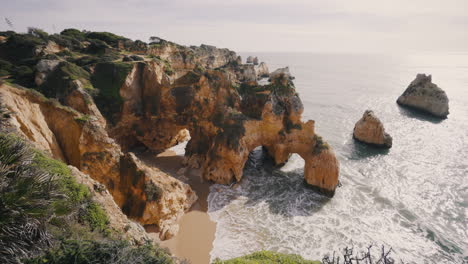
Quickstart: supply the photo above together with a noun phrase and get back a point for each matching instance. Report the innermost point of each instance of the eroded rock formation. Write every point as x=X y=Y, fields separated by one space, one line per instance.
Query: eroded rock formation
x=369 y=129
x=145 y=194
x=225 y=123
x=426 y=96
x=101 y=102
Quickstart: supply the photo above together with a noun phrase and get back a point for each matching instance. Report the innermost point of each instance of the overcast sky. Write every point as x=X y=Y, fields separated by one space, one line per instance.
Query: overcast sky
x=261 y=25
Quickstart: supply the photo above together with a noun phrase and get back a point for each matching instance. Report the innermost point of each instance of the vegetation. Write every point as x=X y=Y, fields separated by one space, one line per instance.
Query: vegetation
x=95 y=217
x=26 y=197
x=319 y=145
x=153 y=192
x=47 y=217
x=113 y=251
x=232 y=127
x=108 y=78
x=267 y=257
x=21 y=46
x=74 y=33
x=109 y=38
x=59 y=82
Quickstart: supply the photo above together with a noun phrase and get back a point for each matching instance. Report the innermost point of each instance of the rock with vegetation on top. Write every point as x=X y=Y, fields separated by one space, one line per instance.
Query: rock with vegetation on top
x=281 y=71
x=426 y=96
x=369 y=129
x=145 y=194
x=43 y=69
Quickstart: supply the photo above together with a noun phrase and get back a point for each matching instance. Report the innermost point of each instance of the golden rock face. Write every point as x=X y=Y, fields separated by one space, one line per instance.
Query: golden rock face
x=225 y=122
x=369 y=129
x=144 y=194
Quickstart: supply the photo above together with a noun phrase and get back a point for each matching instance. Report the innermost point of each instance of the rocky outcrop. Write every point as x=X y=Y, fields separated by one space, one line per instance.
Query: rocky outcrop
x=281 y=71
x=43 y=69
x=255 y=61
x=369 y=129
x=225 y=123
x=426 y=96
x=211 y=57
x=145 y=194
x=262 y=71
x=250 y=59
x=118 y=221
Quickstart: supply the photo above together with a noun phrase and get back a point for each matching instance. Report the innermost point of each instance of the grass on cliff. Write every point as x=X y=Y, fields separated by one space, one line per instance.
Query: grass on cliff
x=267 y=257
x=46 y=216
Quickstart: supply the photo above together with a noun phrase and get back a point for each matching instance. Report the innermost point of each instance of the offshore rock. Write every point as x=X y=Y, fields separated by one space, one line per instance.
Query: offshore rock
x=426 y=96
x=369 y=129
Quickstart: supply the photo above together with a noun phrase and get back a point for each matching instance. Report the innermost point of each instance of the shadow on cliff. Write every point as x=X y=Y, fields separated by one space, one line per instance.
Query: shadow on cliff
x=418 y=114
x=285 y=193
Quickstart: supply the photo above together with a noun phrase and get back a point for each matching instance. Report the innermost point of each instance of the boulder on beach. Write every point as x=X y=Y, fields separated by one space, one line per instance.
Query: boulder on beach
x=369 y=129
x=426 y=96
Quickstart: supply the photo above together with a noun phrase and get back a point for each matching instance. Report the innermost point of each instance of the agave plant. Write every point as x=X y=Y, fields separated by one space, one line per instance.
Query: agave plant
x=26 y=195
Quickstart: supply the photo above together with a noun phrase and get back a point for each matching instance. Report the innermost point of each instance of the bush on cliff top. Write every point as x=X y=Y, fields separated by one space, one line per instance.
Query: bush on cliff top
x=108 y=78
x=267 y=257
x=58 y=83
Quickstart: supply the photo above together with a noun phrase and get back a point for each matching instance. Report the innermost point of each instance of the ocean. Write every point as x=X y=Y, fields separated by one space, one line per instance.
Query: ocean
x=412 y=198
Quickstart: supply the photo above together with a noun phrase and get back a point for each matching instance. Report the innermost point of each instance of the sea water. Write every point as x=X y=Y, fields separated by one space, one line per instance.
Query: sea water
x=412 y=198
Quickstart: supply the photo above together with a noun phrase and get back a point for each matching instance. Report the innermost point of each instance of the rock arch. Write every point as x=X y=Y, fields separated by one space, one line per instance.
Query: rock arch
x=225 y=122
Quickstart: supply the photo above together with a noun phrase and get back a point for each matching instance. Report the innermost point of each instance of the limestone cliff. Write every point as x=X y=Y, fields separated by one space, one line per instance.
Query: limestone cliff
x=106 y=95
x=145 y=194
x=225 y=122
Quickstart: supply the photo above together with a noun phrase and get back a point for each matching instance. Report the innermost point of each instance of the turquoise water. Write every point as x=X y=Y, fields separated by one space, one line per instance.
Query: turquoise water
x=413 y=197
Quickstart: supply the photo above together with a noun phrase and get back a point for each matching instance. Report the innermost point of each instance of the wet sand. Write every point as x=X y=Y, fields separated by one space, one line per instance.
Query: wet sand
x=194 y=240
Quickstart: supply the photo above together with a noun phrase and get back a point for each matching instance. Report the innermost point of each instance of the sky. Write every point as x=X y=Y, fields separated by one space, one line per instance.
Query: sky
x=329 y=26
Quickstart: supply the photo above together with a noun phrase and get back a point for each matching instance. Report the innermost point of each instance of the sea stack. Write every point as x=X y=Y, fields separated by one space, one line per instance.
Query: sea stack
x=369 y=129
x=426 y=96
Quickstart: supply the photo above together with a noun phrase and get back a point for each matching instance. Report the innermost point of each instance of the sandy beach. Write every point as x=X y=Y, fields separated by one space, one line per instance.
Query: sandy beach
x=194 y=240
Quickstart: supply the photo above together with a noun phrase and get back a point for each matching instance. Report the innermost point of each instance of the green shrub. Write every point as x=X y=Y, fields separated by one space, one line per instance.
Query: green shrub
x=319 y=145
x=109 y=38
x=115 y=252
x=97 y=46
x=24 y=76
x=95 y=217
x=76 y=193
x=108 y=78
x=5 y=68
x=26 y=197
x=38 y=33
x=74 y=33
x=21 y=46
x=58 y=83
x=267 y=257
x=66 y=41
x=153 y=192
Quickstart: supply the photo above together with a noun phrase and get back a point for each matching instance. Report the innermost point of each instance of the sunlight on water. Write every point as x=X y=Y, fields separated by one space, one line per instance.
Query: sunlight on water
x=413 y=197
